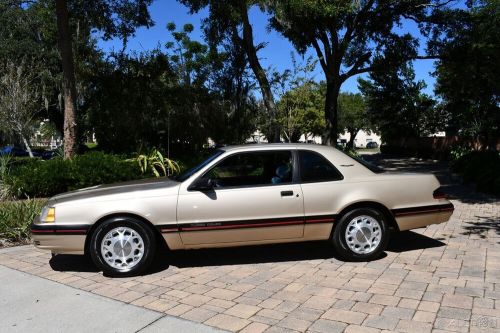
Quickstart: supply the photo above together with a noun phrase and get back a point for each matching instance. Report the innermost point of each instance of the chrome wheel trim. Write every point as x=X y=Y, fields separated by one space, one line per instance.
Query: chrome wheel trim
x=122 y=248
x=363 y=234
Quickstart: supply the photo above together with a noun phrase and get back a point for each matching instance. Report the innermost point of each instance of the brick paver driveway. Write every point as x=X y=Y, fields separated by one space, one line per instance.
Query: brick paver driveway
x=442 y=278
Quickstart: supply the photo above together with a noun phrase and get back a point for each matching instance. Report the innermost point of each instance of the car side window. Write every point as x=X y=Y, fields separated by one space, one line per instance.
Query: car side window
x=253 y=169
x=316 y=168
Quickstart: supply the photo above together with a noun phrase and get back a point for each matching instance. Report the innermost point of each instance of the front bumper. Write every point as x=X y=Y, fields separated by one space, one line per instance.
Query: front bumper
x=59 y=238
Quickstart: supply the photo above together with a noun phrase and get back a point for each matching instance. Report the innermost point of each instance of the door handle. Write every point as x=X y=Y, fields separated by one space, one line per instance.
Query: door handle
x=286 y=193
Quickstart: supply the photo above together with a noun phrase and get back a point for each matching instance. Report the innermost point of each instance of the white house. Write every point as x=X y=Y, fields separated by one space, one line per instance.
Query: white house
x=362 y=138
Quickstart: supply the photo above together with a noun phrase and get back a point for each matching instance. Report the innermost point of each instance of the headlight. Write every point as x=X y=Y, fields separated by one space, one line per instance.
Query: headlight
x=48 y=214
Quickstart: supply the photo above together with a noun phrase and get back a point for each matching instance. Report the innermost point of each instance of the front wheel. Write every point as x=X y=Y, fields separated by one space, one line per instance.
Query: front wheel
x=361 y=234
x=122 y=246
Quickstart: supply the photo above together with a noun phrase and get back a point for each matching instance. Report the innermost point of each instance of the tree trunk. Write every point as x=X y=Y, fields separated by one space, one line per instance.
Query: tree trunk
x=27 y=145
x=69 y=87
x=260 y=74
x=331 y=113
x=352 y=136
x=295 y=137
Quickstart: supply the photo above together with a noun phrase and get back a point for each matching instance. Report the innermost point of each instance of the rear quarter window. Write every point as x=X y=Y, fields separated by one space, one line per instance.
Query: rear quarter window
x=316 y=168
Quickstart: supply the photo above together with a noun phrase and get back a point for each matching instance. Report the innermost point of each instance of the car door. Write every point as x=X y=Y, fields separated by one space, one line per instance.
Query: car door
x=254 y=199
x=321 y=185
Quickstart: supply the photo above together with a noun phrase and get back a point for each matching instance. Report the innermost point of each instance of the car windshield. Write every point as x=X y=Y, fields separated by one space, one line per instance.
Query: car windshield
x=372 y=167
x=188 y=173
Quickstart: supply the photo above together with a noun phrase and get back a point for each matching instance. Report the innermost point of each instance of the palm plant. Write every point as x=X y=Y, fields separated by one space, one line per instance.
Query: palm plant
x=157 y=164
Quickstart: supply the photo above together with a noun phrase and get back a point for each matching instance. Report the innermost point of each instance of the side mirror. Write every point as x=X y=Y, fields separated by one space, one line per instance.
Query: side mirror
x=203 y=185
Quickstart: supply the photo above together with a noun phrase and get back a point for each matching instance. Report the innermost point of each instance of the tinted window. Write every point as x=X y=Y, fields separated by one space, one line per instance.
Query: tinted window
x=256 y=168
x=186 y=174
x=315 y=168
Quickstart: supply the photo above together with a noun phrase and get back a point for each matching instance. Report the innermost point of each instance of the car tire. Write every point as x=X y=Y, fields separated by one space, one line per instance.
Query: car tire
x=361 y=234
x=123 y=246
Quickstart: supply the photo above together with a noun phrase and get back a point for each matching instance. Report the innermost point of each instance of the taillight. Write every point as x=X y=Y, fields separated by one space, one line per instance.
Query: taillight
x=439 y=194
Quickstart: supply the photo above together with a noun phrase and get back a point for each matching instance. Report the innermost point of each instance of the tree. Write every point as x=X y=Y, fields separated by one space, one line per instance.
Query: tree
x=349 y=38
x=69 y=84
x=173 y=100
x=468 y=70
x=132 y=99
x=190 y=58
x=299 y=111
x=235 y=106
x=28 y=31
x=397 y=107
x=353 y=115
x=299 y=106
x=225 y=20
x=19 y=101
x=217 y=86
x=113 y=18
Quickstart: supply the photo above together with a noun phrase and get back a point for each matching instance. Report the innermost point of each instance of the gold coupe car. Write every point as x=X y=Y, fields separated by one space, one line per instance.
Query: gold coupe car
x=243 y=195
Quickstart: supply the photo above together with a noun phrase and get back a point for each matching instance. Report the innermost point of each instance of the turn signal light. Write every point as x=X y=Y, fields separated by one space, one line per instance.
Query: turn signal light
x=48 y=214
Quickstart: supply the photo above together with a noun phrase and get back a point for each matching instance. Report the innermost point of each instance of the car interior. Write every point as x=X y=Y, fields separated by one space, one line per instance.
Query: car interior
x=247 y=169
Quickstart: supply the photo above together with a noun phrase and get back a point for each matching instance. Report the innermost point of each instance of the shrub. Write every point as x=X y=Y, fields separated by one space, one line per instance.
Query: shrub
x=38 y=178
x=5 y=161
x=16 y=217
x=96 y=168
x=459 y=150
x=480 y=168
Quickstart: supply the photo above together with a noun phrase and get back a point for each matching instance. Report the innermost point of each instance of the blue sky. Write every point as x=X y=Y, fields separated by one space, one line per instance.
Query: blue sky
x=276 y=54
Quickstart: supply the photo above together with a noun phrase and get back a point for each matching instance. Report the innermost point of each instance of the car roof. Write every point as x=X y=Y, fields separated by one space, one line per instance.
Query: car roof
x=251 y=146
x=268 y=146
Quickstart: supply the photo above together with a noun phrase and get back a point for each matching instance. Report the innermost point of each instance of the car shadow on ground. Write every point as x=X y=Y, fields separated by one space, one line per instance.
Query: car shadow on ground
x=72 y=263
x=409 y=241
x=246 y=255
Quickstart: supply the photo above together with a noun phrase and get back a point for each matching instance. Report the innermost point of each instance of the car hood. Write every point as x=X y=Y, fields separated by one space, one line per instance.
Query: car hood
x=135 y=188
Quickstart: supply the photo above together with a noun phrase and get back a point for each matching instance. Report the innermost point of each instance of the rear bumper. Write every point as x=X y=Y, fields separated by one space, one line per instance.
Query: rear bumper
x=422 y=216
x=59 y=238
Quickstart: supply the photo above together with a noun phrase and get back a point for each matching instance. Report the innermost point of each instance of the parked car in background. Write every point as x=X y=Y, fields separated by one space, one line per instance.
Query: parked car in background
x=243 y=195
x=13 y=151
x=372 y=144
x=48 y=154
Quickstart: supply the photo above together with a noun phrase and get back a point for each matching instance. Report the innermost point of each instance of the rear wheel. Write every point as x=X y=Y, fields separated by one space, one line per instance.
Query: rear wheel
x=361 y=234
x=123 y=246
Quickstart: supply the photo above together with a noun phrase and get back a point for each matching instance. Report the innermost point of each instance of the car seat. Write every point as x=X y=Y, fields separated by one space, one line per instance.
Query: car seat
x=282 y=174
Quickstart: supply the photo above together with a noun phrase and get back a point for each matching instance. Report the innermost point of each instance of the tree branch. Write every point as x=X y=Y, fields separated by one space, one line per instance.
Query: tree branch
x=354 y=69
x=326 y=45
x=435 y=5
x=361 y=71
x=426 y=57
x=352 y=27
x=320 y=56
x=372 y=68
